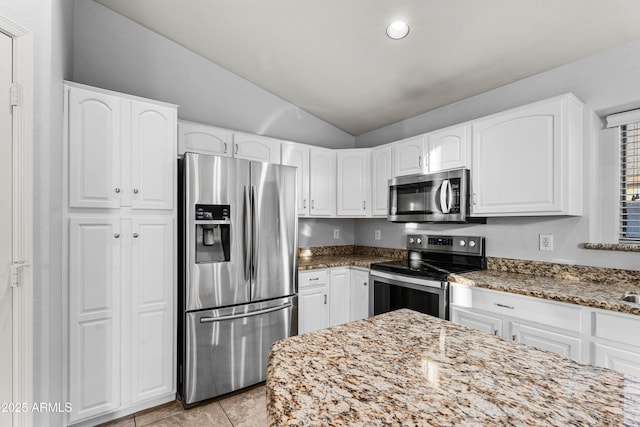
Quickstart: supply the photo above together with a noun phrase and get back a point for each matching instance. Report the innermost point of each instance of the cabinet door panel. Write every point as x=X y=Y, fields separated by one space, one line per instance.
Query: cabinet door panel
x=197 y=138
x=322 y=182
x=447 y=149
x=297 y=155
x=407 y=157
x=255 y=147
x=538 y=337
x=94 y=149
x=94 y=316
x=153 y=135
x=152 y=287
x=339 y=297
x=517 y=161
x=481 y=322
x=353 y=182
x=313 y=312
x=380 y=176
x=359 y=295
x=618 y=359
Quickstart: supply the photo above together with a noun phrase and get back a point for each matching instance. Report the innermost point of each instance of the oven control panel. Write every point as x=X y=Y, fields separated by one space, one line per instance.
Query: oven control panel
x=473 y=245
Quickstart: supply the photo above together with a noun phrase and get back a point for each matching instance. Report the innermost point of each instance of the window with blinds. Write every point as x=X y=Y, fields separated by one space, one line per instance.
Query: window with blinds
x=630 y=183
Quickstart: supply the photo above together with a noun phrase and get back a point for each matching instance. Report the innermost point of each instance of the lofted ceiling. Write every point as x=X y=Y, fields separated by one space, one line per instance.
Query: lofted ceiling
x=333 y=59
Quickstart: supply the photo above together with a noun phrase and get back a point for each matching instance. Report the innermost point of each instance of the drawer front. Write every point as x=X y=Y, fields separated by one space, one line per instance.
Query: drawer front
x=616 y=327
x=564 y=316
x=312 y=278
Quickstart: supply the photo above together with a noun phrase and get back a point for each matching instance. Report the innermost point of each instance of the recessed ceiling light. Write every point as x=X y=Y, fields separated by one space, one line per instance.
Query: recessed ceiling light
x=398 y=30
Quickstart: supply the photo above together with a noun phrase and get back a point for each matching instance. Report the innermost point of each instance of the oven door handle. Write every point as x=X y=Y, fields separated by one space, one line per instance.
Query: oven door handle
x=446 y=196
x=406 y=279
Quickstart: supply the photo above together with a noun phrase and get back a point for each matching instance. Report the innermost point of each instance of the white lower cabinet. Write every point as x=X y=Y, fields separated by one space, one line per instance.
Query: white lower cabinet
x=313 y=301
x=588 y=335
x=339 y=296
x=331 y=296
x=359 y=294
x=121 y=307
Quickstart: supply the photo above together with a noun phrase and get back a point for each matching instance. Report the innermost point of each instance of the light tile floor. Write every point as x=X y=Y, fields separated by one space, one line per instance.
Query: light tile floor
x=248 y=408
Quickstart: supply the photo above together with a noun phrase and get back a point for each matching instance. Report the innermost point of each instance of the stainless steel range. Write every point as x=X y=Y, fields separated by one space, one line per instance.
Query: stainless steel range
x=420 y=282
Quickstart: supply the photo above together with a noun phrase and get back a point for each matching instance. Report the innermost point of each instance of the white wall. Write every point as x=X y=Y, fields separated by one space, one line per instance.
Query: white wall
x=115 y=53
x=51 y=25
x=606 y=82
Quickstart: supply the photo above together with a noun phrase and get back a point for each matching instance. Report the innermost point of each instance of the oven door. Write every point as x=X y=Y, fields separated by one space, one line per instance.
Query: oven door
x=388 y=292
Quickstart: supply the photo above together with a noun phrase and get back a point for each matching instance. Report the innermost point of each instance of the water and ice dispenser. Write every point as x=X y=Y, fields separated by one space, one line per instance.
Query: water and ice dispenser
x=213 y=233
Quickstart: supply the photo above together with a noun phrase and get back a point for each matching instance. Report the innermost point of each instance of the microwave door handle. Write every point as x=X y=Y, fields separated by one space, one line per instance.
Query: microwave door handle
x=444 y=206
x=450 y=196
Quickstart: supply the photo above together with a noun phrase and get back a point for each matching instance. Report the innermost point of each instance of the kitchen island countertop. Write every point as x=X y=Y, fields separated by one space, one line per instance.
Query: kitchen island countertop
x=407 y=368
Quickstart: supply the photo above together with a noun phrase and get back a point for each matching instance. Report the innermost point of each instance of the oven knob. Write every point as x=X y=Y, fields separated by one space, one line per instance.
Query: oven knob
x=463 y=243
x=419 y=241
x=472 y=243
x=410 y=239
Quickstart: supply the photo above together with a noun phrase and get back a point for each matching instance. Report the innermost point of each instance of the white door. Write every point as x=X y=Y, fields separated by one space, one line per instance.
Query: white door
x=258 y=148
x=151 y=294
x=153 y=137
x=407 y=156
x=94 y=150
x=6 y=335
x=322 y=181
x=380 y=176
x=448 y=149
x=359 y=294
x=95 y=246
x=313 y=312
x=339 y=296
x=197 y=138
x=297 y=155
x=353 y=182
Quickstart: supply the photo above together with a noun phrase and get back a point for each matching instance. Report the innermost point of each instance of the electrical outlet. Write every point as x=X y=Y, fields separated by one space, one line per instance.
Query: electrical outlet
x=546 y=242
x=336 y=233
x=377 y=235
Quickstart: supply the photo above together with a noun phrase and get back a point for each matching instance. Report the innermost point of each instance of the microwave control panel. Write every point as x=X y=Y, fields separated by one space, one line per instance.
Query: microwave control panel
x=472 y=245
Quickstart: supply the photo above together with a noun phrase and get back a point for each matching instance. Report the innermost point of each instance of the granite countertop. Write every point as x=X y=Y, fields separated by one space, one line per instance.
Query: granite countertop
x=605 y=295
x=348 y=260
x=407 y=368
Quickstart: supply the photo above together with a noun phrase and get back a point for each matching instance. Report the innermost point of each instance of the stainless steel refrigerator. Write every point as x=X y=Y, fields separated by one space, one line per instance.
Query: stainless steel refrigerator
x=239 y=240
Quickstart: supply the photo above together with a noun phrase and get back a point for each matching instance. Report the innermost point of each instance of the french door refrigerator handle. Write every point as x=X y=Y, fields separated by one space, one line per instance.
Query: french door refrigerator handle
x=254 y=239
x=246 y=219
x=241 y=315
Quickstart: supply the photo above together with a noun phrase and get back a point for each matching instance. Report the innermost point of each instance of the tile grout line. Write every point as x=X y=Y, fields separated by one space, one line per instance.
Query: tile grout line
x=225 y=413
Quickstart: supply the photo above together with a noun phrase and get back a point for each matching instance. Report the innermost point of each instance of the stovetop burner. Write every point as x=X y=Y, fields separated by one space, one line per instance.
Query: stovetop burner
x=436 y=257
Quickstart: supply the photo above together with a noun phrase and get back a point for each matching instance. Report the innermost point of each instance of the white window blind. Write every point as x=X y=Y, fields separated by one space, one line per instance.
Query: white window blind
x=630 y=183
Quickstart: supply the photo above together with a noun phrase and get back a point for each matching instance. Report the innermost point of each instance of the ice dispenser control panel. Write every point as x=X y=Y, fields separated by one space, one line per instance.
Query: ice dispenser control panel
x=213 y=233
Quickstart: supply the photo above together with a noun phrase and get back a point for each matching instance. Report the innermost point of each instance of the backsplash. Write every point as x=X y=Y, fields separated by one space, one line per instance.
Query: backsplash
x=565 y=271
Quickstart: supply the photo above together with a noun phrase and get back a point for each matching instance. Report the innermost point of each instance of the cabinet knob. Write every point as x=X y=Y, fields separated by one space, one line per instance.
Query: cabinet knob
x=365 y=283
x=304 y=203
x=325 y=298
x=116 y=235
x=135 y=235
x=117 y=190
x=135 y=191
x=236 y=148
x=224 y=144
x=364 y=205
x=514 y=337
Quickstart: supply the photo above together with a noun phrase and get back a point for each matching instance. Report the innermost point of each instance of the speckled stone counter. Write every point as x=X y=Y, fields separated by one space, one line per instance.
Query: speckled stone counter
x=588 y=286
x=407 y=368
x=345 y=256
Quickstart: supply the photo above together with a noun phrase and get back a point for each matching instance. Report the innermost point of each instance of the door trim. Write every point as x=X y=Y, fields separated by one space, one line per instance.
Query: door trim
x=22 y=147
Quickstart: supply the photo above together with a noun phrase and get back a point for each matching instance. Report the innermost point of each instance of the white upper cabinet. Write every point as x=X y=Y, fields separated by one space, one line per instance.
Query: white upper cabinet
x=448 y=148
x=94 y=129
x=297 y=155
x=322 y=181
x=121 y=151
x=380 y=176
x=353 y=182
x=153 y=130
x=408 y=156
x=197 y=138
x=528 y=161
x=255 y=147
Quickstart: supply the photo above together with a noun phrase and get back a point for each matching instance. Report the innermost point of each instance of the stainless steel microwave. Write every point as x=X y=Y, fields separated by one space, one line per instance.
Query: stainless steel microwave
x=436 y=197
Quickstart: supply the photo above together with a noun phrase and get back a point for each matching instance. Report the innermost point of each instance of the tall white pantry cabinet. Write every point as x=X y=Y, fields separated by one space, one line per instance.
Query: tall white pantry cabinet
x=120 y=199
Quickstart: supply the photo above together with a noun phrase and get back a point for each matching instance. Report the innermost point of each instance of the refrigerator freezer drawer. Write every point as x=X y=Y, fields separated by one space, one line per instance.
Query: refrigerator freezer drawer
x=227 y=349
